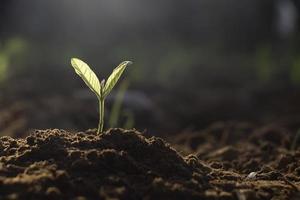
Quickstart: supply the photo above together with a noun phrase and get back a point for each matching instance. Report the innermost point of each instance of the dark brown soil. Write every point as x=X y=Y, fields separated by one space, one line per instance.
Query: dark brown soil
x=124 y=164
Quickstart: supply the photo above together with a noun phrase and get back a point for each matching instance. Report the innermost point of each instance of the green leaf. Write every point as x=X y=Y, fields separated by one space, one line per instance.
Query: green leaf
x=114 y=77
x=87 y=75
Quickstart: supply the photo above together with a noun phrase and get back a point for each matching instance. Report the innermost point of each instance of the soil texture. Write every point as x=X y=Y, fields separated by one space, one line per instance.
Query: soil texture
x=125 y=164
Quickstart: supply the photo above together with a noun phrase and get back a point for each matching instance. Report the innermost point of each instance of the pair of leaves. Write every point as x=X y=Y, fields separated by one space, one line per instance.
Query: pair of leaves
x=91 y=80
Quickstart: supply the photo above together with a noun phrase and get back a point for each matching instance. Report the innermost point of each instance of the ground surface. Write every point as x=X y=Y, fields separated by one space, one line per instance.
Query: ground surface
x=119 y=164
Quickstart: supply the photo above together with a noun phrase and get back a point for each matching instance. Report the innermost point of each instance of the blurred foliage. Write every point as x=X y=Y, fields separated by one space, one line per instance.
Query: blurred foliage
x=171 y=63
x=120 y=116
x=208 y=43
x=176 y=65
x=12 y=52
x=167 y=63
x=274 y=64
x=115 y=112
x=130 y=121
x=264 y=63
x=3 y=66
x=295 y=71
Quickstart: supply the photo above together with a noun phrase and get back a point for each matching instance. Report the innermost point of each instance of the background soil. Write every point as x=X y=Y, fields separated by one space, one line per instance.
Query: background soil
x=126 y=164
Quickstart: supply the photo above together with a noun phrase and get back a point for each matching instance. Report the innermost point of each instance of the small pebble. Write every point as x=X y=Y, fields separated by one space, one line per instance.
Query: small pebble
x=252 y=175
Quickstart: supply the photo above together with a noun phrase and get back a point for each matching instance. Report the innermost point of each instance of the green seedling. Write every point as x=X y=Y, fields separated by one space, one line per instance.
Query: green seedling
x=101 y=89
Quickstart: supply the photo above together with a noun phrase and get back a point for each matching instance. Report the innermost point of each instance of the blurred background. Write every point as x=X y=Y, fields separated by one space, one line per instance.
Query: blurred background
x=195 y=62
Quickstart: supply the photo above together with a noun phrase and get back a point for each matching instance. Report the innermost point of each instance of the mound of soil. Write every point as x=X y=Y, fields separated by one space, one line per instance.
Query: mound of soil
x=119 y=164
x=124 y=164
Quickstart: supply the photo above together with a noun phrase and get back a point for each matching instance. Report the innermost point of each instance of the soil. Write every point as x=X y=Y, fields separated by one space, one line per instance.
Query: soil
x=125 y=164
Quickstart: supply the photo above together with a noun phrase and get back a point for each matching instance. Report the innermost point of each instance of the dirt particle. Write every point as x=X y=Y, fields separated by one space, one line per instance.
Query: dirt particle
x=245 y=194
x=80 y=164
x=92 y=155
x=216 y=165
x=284 y=161
x=226 y=153
x=13 y=144
x=80 y=198
x=297 y=171
x=53 y=192
x=30 y=140
x=74 y=155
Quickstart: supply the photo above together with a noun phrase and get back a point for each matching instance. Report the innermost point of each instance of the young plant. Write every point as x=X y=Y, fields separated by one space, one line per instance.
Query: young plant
x=101 y=89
